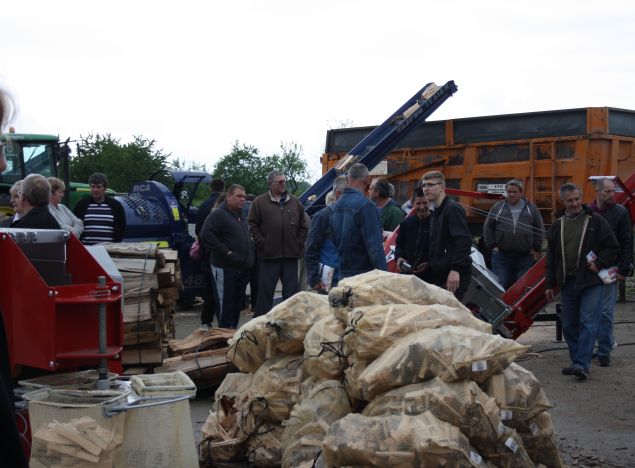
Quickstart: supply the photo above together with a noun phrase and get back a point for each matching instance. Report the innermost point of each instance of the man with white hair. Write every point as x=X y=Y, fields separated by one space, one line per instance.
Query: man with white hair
x=35 y=194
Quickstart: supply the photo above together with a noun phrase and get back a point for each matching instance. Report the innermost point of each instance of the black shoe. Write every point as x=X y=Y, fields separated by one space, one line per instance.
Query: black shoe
x=567 y=371
x=604 y=361
x=595 y=356
x=579 y=372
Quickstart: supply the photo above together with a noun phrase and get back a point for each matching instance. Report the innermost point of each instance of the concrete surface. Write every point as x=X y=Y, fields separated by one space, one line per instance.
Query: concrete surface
x=595 y=419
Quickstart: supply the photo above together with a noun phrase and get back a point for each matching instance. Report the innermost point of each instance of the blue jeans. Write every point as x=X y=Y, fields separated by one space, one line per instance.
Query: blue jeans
x=509 y=266
x=581 y=314
x=605 y=333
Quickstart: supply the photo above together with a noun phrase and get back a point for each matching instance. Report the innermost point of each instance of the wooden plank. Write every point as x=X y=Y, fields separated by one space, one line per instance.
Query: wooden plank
x=132 y=249
x=166 y=275
x=168 y=296
x=137 y=312
x=135 y=265
x=137 y=370
x=200 y=340
x=170 y=255
x=195 y=361
x=139 y=355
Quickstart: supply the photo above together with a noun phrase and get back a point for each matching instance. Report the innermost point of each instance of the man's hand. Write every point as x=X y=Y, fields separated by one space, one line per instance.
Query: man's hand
x=421 y=268
x=400 y=260
x=620 y=277
x=549 y=295
x=536 y=254
x=452 y=283
x=319 y=286
x=592 y=266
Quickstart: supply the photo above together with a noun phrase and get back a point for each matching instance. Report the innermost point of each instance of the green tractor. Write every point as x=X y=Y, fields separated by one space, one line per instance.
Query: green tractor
x=36 y=154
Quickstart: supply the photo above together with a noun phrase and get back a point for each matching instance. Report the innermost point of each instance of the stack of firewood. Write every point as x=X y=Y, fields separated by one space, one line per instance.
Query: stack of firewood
x=152 y=281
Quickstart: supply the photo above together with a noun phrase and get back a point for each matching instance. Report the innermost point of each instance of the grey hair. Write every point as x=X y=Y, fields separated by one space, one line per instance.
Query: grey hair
x=516 y=183
x=330 y=198
x=569 y=187
x=600 y=182
x=16 y=188
x=273 y=174
x=358 y=172
x=36 y=190
x=340 y=184
x=391 y=190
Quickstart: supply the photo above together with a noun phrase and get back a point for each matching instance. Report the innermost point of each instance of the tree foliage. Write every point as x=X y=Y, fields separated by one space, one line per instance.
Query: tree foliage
x=124 y=164
x=245 y=165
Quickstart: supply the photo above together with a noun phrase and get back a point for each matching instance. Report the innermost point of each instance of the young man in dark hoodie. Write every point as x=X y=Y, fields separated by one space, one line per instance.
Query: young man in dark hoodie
x=620 y=221
x=580 y=244
x=450 y=238
x=226 y=235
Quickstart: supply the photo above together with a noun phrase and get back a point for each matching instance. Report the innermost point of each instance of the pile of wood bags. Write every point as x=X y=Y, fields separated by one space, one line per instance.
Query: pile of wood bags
x=388 y=370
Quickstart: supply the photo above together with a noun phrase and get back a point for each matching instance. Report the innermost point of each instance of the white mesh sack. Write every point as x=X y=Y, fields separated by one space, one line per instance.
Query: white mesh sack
x=400 y=441
x=374 y=328
x=382 y=287
x=306 y=427
x=451 y=353
x=291 y=319
x=161 y=436
x=323 y=349
x=263 y=446
x=250 y=346
x=70 y=428
x=541 y=443
x=519 y=394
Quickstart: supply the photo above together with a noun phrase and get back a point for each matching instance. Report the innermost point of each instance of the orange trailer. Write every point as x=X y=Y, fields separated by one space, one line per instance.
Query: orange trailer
x=543 y=149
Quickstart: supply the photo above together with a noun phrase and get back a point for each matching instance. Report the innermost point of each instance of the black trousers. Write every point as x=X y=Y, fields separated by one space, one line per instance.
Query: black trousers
x=465 y=277
x=285 y=270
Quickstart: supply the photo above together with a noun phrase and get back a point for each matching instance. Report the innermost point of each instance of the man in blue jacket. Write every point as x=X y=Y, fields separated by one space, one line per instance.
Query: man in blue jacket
x=320 y=249
x=356 y=227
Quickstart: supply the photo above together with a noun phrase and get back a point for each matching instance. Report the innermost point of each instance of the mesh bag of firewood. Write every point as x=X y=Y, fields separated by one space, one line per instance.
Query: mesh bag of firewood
x=224 y=431
x=451 y=353
x=508 y=451
x=251 y=345
x=70 y=428
x=540 y=441
x=421 y=440
x=382 y=287
x=306 y=427
x=263 y=447
x=519 y=395
x=352 y=376
x=275 y=388
x=323 y=349
x=462 y=404
x=374 y=328
x=290 y=320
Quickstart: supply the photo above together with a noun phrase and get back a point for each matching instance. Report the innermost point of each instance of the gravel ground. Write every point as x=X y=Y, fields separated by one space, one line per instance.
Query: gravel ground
x=595 y=419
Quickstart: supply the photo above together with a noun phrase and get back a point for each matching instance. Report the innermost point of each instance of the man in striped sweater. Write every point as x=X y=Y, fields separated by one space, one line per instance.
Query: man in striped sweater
x=103 y=216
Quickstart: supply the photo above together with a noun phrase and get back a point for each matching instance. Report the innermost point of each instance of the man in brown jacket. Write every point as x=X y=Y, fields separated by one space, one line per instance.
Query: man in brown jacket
x=279 y=229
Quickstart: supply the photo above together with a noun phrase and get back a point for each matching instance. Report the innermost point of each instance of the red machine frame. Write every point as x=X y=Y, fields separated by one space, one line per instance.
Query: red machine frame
x=57 y=327
x=526 y=298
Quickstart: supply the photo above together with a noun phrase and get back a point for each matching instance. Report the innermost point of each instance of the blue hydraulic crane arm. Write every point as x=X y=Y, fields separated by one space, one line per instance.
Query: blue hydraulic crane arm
x=372 y=149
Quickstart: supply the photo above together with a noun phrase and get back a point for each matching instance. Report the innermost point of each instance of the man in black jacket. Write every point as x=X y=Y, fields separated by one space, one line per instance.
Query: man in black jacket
x=620 y=221
x=35 y=194
x=413 y=239
x=226 y=235
x=103 y=216
x=450 y=238
x=580 y=244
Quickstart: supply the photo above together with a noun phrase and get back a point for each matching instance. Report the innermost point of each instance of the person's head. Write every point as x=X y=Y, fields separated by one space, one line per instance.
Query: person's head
x=98 y=185
x=418 y=184
x=571 y=197
x=514 y=191
x=217 y=185
x=358 y=177
x=36 y=191
x=16 y=197
x=433 y=184
x=57 y=190
x=604 y=191
x=251 y=197
x=338 y=186
x=329 y=199
x=277 y=182
x=379 y=190
x=235 y=198
x=420 y=203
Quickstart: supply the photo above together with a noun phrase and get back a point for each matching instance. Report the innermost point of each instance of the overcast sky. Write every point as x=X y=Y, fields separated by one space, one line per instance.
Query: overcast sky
x=197 y=76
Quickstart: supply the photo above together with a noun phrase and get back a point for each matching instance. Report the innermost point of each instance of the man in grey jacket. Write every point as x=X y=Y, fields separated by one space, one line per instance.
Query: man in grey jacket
x=226 y=234
x=513 y=231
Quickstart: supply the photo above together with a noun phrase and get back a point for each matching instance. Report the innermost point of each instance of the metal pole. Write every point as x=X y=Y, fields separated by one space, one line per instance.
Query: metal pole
x=102 y=383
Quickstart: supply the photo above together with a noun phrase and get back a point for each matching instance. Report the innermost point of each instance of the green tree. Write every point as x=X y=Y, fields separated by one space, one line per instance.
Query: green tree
x=244 y=165
x=124 y=164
